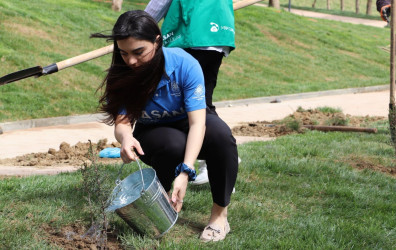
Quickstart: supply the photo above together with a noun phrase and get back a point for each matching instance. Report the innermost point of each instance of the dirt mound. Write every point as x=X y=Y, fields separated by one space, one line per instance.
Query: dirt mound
x=75 y=155
x=294 y=123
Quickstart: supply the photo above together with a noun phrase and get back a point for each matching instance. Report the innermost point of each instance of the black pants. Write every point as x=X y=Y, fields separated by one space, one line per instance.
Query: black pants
x=210 y=62
x=164 y=147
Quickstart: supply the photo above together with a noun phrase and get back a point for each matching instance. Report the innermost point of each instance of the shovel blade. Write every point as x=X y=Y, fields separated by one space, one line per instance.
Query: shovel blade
x=22 y=74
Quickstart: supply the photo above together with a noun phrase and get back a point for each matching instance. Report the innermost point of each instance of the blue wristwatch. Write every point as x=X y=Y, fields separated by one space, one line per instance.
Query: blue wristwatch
x=192 y=174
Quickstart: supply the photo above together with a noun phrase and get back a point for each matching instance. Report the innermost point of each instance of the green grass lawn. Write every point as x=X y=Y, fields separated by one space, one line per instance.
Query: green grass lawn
x=305 y=191
x=277 y=53
x=295 y=54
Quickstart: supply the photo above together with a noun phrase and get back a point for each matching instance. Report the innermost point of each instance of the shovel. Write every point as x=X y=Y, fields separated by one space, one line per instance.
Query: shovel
x=55 y=67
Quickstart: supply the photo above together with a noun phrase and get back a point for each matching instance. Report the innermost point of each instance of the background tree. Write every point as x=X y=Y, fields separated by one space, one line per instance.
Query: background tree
x=368 y=10
x=313 y=4
x=342 y=5
x=116 y=5
x=274 y=4
x=357 y=6
x=328 y=4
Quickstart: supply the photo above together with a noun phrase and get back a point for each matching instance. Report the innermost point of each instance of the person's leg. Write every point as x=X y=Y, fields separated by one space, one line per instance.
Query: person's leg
x=220 y=152
x=219 y=149
x=163 y=148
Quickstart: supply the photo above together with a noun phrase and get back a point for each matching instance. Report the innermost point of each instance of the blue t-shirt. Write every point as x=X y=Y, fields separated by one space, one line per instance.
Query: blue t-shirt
x=182 y=92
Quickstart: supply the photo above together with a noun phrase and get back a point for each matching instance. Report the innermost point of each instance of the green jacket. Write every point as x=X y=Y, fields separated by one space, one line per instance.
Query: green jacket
x=199 y=23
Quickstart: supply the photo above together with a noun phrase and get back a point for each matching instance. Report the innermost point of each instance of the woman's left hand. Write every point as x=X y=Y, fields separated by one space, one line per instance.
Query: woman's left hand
x=179 y=191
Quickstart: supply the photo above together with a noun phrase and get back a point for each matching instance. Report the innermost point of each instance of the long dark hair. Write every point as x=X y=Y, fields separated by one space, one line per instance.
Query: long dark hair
x=124 y=87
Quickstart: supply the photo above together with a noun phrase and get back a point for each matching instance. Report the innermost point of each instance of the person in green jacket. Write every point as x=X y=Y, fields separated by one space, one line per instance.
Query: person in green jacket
x=206 y=30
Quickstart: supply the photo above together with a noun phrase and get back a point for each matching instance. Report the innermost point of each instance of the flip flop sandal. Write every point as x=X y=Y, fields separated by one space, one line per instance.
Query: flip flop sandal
x=214 y=233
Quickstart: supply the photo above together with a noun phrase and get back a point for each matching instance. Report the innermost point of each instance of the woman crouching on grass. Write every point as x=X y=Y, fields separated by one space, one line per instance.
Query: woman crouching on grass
x=161 y=93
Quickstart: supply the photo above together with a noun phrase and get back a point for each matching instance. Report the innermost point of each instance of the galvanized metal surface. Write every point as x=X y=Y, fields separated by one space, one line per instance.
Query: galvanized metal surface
x=145 y=208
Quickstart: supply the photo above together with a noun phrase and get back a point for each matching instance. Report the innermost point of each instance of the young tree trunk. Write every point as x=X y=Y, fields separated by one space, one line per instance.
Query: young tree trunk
x=313 y=4
x=368 y=10
x=342 y=5
x=392 y=107
x=116 y=5
x=274 y=3
x=328 y=4
x=357 y=6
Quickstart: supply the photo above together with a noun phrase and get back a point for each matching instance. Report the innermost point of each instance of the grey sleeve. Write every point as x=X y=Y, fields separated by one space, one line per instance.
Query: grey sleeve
x=158 y=8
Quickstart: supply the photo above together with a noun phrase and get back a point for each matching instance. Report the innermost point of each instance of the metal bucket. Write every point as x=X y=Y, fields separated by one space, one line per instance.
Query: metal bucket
x=141 y=201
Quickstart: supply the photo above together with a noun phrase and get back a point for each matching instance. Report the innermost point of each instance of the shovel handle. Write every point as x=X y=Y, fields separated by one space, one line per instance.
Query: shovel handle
x=85 y=57
x=77 y=59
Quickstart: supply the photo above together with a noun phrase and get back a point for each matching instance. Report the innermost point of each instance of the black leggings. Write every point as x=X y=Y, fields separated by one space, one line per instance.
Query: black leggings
x=210 y=61
x=164 y=146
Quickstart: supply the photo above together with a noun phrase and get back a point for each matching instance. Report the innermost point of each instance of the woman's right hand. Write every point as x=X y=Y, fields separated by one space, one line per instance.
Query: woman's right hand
x=123 y=134
x=179 y=191
x=129 y=147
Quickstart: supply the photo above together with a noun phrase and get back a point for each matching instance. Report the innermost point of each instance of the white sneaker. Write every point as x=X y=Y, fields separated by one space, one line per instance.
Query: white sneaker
x=202 y=177
x=239 y=161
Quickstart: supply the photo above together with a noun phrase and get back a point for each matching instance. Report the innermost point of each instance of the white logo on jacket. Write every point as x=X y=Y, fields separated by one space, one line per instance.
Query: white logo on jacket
x=214 y=27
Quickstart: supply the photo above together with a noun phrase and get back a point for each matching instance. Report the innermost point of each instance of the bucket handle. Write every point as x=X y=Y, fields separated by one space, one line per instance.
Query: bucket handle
x=118 y=180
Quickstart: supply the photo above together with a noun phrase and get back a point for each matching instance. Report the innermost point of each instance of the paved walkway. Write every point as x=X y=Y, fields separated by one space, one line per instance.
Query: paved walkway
x=17 y=142
x=375 y=23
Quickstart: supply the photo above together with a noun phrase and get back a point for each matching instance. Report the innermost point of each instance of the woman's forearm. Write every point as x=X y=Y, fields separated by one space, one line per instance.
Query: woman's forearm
x=122 y=131
x=194 y=144
x=195 y=137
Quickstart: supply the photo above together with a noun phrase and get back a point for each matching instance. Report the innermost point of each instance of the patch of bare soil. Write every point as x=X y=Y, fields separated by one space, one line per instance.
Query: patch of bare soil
x=294 y=123
x=67 y=155
x=362 y=164
x=73 y=237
